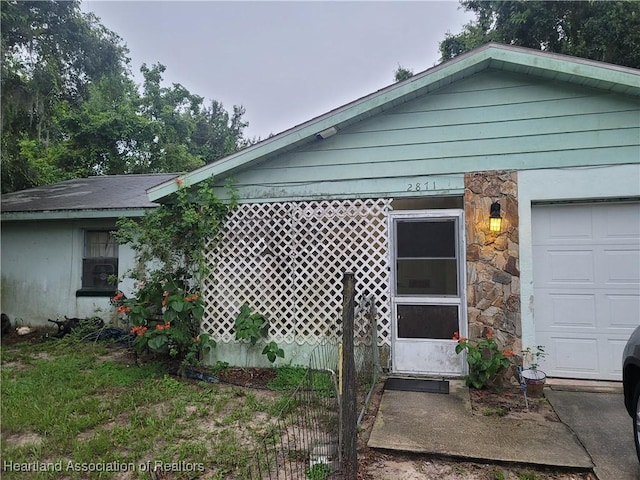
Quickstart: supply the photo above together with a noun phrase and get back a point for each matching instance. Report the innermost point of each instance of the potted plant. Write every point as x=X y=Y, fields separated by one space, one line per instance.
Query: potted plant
x=533 y=378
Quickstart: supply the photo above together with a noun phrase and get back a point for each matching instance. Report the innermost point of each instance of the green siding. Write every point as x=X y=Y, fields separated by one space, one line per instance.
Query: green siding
x=392 y=186
x=492 y=120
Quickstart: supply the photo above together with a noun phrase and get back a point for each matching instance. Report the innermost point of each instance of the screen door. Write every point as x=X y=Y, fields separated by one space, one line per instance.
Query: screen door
x=427 y=289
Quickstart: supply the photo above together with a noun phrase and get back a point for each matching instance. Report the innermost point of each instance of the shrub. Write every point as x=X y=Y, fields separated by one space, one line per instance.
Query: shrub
x=486 y=360
x=170 y=242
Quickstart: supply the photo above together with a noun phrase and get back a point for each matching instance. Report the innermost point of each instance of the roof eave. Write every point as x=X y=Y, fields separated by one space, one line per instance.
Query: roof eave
x=72 y=214
x=567 y=65
x=391 y=96
x=338 y=118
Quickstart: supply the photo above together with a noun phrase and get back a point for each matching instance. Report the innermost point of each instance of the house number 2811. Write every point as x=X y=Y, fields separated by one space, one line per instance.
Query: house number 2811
x=421 y=186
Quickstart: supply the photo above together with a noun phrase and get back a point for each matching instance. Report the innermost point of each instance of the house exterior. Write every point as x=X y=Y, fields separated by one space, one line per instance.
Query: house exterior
x=398 y=187
x=57 y=251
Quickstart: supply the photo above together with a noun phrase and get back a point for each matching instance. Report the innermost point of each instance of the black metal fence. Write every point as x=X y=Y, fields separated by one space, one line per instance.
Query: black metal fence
x=314 y=436
x=303 y=442
x=366 y=352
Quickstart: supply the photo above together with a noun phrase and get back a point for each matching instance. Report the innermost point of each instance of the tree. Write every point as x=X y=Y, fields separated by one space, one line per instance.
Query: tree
x=402 y=74
x=51 y=52
x=103 y=134
x=71 y=109
x=185 y=134
x=598 y=30
x=218 y=133
x=170 y=112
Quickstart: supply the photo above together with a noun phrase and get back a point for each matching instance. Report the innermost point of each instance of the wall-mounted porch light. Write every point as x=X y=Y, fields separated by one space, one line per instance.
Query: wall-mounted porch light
x=495 y=220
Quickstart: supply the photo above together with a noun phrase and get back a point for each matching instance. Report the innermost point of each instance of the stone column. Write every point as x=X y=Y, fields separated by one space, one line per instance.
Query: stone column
x=493 y=269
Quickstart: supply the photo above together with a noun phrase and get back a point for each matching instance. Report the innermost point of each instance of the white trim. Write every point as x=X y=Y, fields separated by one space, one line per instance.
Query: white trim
x=566 y=184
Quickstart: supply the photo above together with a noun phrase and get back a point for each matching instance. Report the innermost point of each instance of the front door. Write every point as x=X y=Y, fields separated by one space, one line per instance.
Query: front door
x=427 y=291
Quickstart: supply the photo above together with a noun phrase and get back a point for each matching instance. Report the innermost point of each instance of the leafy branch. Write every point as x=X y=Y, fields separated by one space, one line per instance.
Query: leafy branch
x=170 y=244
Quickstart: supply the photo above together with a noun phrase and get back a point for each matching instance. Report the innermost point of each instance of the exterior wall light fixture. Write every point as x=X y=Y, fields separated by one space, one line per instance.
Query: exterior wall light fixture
x=329 y=132
x=495 y=220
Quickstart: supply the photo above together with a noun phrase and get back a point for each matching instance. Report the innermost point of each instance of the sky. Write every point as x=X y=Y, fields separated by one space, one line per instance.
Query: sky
x=284 y=62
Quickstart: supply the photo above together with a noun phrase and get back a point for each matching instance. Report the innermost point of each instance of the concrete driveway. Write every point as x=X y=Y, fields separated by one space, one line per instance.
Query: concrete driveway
x=604 y=428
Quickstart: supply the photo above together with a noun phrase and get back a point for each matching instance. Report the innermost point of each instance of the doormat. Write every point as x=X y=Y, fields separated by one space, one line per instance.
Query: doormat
x=417 y=385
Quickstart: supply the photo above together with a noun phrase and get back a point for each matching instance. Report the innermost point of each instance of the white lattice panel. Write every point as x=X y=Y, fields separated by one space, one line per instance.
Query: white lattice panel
x=287 y=260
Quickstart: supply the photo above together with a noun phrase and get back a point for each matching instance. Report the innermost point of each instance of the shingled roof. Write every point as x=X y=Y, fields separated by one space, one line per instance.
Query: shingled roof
x=104 y=195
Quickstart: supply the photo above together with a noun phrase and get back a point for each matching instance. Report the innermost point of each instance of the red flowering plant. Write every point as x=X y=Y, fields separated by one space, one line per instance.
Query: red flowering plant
x=486 y=360
x=170 y=243
x=165 y=318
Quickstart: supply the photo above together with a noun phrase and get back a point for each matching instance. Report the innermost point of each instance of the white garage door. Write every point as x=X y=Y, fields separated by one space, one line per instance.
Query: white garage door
x=586 y=273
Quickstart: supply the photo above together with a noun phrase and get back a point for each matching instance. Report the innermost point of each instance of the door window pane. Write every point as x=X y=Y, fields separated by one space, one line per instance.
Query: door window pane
x=427 y=277
x=426 y=263
x=427 y=321
x=426 y=239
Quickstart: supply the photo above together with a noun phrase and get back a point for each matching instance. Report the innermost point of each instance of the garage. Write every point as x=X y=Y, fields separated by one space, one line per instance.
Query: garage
x=586 y=285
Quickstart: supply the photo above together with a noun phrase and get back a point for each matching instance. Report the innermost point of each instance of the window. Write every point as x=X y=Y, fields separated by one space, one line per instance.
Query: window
x=100 y=261
x=428 y=321
x=426 y=263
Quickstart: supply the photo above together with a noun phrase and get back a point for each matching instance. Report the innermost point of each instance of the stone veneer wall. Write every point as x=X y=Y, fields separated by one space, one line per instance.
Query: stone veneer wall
x=493 y=270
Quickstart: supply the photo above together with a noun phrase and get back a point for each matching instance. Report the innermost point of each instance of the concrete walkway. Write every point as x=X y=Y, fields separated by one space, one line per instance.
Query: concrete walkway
x=603 y=426
x=440 y=424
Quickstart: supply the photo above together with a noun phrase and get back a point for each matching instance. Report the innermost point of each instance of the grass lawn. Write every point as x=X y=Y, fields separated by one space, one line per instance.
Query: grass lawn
x=81 y=410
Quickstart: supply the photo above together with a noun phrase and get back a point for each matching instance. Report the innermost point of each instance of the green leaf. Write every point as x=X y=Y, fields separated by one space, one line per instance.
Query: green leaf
x=158 y=343
x=170 y=315
x=272 y=351
x=198 y=312
x=178 y=305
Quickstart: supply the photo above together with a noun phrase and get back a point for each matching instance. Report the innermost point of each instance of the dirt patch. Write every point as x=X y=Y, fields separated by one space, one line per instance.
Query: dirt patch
x=120 y=420
x=247 y=377
x=125 y=356
x=373 y=464
x=22 y=363
x=510 y=402
x=25 y=439
x=38 y=335
x=410 y=467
